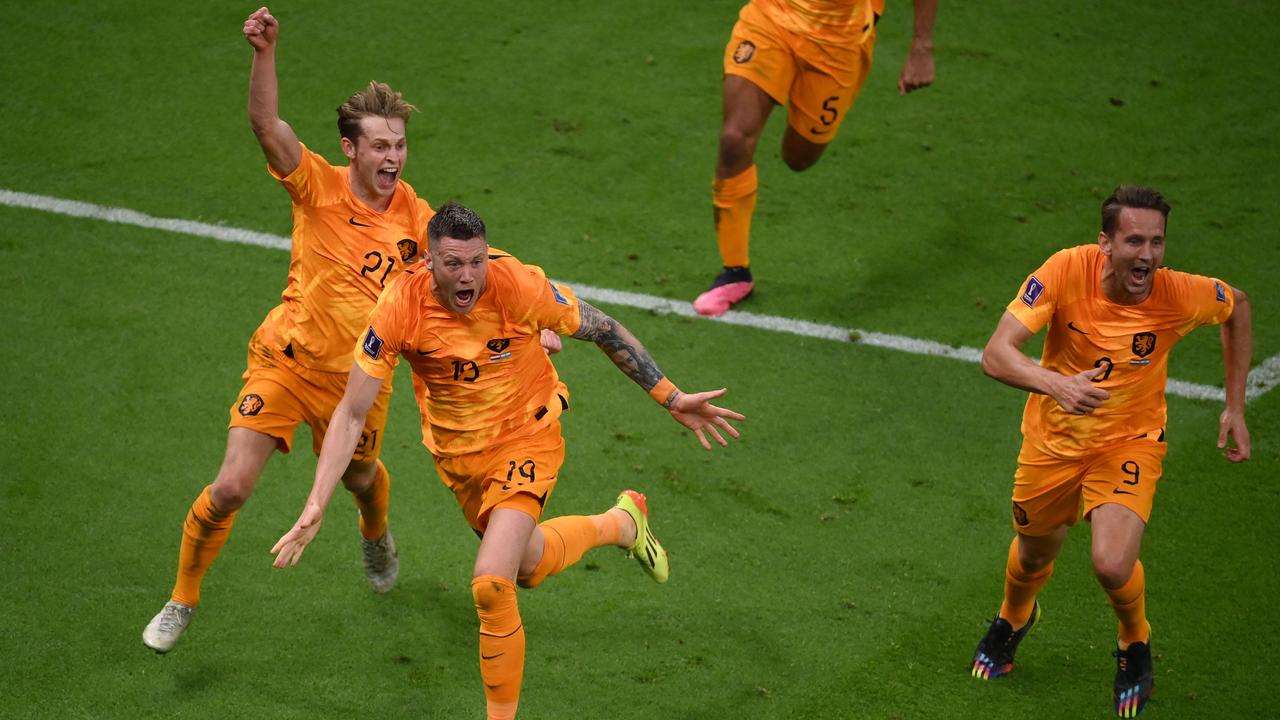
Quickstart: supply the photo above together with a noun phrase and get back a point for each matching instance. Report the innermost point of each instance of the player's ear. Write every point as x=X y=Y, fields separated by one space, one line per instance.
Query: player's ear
x=1104 y=243
x=348 y=149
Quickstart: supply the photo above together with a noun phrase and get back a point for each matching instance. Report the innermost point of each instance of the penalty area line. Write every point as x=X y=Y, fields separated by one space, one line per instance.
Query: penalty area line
x=1261 y=380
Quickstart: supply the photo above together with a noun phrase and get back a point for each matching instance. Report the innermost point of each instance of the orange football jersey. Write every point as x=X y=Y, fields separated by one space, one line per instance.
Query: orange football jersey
x=482 y=377
x=1132 y=343
x=837 y=23
x=343 y=255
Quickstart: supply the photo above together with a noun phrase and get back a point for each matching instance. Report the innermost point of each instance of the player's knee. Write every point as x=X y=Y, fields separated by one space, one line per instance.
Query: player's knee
x=1112 y=572
x=1034 y=562
x=737 y=147
x=359 y=475
x=492 y=594
x=232 y=489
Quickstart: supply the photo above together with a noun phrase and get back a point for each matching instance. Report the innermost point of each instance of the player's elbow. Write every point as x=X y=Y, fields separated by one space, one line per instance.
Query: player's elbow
x=1239 y=297
x=990 y=366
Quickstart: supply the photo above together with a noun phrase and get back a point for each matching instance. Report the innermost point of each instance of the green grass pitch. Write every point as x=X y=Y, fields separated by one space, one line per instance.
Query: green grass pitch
x=841 y=561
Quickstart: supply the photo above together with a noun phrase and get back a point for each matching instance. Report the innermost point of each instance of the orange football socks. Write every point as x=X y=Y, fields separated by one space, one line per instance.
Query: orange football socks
x=501 y=644
x=735 y=202
x=373 y=502
x=1020 y=588
x=566 y=539
x=1130 y=603
x=203 y=535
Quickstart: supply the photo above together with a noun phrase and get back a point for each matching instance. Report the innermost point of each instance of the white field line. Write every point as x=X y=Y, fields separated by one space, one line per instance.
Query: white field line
x=1262 y=378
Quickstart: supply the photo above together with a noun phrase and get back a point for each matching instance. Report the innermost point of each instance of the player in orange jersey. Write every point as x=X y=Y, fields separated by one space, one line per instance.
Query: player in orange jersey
x=812 y=56
x=1094 y=425
x=355 y=228
x=491 y=403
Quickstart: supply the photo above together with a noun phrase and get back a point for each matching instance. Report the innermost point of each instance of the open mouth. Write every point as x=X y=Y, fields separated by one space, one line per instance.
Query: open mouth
x=464 y=297
x=1139 y=275
x=387 y=178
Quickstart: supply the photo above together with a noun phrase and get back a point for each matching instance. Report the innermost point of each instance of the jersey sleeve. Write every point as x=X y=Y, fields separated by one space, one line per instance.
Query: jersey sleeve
x=1038 y=298
x=547 y=304
x=378 y=348
x=1206 y=300
x=313 y=182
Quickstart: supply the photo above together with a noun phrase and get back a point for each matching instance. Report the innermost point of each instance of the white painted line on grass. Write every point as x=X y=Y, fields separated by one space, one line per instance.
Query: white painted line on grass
x=1262 y=378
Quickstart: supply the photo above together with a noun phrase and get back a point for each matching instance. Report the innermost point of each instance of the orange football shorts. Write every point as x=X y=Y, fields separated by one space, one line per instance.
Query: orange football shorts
x=817 y=81
x=518 y=474
x=279 y=393
x=1050 y=491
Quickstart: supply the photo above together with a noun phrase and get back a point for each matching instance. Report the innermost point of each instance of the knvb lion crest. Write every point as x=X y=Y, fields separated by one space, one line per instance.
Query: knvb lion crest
x=408 y=249
x=1020 y=515
x=498 y=344
x=1144 y=343
x=744 y=52
x=251 y=405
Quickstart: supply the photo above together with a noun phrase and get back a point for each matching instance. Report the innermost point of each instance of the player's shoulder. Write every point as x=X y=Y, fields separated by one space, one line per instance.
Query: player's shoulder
x=1173 y=285
x=411 y=283
x=505 y=265
x=1078 y=256
x=517 y=282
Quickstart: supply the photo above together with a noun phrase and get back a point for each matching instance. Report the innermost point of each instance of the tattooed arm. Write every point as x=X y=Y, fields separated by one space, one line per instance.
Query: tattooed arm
x=693 y=410
x=622 y=348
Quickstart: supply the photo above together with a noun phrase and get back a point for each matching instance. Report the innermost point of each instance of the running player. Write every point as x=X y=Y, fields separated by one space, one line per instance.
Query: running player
x=491 y=403
x=812 y=56
x=1094 y=425
x=355 y=228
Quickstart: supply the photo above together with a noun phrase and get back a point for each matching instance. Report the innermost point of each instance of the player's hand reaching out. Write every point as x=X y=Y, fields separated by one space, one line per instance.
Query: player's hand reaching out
x=261 y=29
x=695 y=411
x=1078 y=395
x=1231 y=428
x=289 y=547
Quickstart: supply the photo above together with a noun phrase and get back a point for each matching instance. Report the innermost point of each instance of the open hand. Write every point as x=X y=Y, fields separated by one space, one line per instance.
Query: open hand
x=695 y=411
x=289 y=547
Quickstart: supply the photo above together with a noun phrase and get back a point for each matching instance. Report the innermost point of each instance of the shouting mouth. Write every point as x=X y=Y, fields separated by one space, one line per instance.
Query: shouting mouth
x=464 y=298
x=387 y=178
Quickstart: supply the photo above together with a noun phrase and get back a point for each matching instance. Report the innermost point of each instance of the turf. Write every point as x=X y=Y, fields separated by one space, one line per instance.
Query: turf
x=840 y=562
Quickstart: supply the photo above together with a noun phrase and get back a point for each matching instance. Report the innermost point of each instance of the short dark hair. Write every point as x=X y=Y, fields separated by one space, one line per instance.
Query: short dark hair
x=376 y=100
x=1131 y=196
x=455 y=221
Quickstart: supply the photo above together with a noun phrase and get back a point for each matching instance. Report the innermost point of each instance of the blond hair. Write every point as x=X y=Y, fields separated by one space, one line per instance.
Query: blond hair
x=377 y=100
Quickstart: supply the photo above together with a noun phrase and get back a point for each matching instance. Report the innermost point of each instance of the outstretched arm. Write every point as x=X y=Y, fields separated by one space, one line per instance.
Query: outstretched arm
x=277 y=139
x=693 y=410
x=1004 y=360
x=1237 y=353
x=918 y=72
x=335 y=454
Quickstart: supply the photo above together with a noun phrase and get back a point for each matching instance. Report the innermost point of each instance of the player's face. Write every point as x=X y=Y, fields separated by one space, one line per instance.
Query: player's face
x=377 y=159
x=1133 y=251
x=459 y=269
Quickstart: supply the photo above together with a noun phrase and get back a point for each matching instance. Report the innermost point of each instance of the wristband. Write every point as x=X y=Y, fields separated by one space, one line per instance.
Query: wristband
x=663 y=391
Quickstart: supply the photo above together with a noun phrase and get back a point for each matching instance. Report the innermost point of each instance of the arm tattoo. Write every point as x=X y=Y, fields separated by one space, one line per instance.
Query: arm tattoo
x=619 y=344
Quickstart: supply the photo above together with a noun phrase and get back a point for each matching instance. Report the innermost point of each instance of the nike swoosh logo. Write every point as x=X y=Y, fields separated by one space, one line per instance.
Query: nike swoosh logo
x=1122 y=492
x=816 y=131
x=357 y=224
x=427 y=352
x=490 y=657
x=1072 y=326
